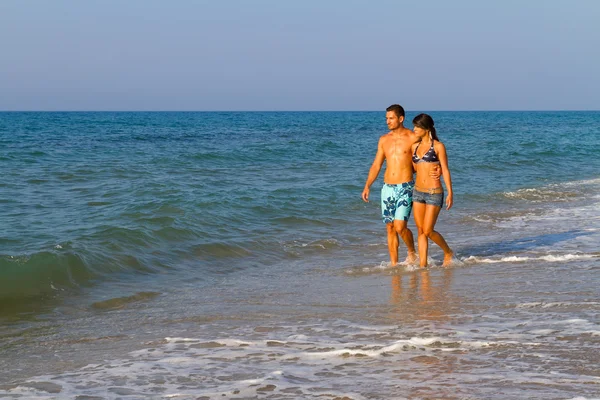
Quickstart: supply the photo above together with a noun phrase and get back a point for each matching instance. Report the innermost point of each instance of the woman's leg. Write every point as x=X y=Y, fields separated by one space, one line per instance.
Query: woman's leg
x=419 y=213
x=429 y=220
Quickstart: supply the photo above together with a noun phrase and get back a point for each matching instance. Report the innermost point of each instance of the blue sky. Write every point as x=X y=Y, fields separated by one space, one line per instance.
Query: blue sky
x=299 y=55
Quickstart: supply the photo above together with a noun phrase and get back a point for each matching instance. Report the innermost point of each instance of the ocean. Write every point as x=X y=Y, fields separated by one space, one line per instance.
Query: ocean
x=228 y=255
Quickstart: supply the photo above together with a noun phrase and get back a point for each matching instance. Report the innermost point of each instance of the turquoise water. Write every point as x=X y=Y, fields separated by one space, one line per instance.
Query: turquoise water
x=87 y=196
x=120 y=229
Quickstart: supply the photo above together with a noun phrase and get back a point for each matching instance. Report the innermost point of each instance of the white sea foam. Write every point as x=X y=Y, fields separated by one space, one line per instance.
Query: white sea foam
x=403 y=266
x=546 y=194
x=518 y=259
x=576 y=213
x=555 y=192
x=373 y=328
x=584 y=398
x=585 y=182
x=337 y=360
x=539 y=304
x=365 y=270
x=411 y=268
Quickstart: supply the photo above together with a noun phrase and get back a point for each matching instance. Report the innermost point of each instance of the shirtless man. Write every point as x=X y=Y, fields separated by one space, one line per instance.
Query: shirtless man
x=396 y=193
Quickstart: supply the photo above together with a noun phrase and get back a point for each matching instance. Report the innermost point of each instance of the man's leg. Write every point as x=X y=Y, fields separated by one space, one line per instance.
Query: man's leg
x=401 y=228
x=392 y=239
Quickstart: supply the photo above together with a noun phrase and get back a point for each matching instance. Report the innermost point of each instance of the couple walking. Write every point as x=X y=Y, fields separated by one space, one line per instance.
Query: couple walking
x=406 y=152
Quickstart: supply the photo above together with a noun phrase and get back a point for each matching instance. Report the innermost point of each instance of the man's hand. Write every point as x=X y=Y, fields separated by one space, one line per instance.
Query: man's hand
x=365 y=194
x=435 y=172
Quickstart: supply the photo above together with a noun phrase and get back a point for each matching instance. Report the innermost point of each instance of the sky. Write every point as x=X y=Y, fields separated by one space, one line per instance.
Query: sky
x=271 y=55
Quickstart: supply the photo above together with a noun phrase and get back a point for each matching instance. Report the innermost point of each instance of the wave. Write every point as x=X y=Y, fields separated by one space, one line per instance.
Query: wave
x=362 y=270
x=122 y=253
x=121 y=302
x=593 y=181
x=60 y=271
x=578 y=305
x=320 y=244
x=498 y=216
x=219 y=250
x=298 y=221
x=41 y=274
x=517 y=259
x=300 y=366
x=266 y=250
x=552 y=193
x=545 y=194
x=556 y=192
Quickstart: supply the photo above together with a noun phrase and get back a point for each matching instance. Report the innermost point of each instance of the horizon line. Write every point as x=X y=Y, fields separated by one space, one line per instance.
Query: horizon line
x=275 y=111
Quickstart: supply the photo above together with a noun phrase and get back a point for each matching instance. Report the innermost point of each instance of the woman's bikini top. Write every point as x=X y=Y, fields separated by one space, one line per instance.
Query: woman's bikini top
x=430 y=156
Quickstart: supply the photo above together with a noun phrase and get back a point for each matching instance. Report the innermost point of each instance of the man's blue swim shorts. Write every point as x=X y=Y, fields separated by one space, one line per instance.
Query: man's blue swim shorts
x=396 y=201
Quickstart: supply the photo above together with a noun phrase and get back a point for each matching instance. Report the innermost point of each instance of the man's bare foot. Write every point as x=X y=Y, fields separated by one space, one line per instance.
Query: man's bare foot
x=411 y=258
x=448 y=258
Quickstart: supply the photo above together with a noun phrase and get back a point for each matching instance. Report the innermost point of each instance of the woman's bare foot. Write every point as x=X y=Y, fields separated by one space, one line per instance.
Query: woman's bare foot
x=411 y=258
x=448 y=258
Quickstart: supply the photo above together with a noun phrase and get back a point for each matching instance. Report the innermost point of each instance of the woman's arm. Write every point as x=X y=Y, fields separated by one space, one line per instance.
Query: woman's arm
x=440 y=149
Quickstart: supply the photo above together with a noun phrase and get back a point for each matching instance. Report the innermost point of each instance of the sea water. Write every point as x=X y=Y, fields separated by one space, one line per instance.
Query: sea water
x=229 y=255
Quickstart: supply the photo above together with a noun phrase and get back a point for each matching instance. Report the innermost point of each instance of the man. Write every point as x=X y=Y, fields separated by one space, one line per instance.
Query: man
x=396 y=194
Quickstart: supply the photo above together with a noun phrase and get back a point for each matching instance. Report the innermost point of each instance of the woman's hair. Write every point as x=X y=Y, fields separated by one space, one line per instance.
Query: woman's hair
x=424 y=121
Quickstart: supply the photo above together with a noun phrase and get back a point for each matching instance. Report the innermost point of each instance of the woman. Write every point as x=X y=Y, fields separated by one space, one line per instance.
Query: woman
x=428 y=195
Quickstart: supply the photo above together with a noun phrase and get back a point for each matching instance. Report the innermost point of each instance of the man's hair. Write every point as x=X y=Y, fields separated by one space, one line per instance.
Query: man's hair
x=397 y=108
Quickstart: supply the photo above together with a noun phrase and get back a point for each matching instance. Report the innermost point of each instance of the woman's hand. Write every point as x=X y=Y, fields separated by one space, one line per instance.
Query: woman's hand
x=449 y=201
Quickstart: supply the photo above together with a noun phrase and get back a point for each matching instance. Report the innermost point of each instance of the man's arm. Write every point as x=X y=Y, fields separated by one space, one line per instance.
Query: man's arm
x=374 y=171
x=412 y=151
x=436 y=171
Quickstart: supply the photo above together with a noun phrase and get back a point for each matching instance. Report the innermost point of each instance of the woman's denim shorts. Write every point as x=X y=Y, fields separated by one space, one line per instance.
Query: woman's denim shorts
x=435 y=199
